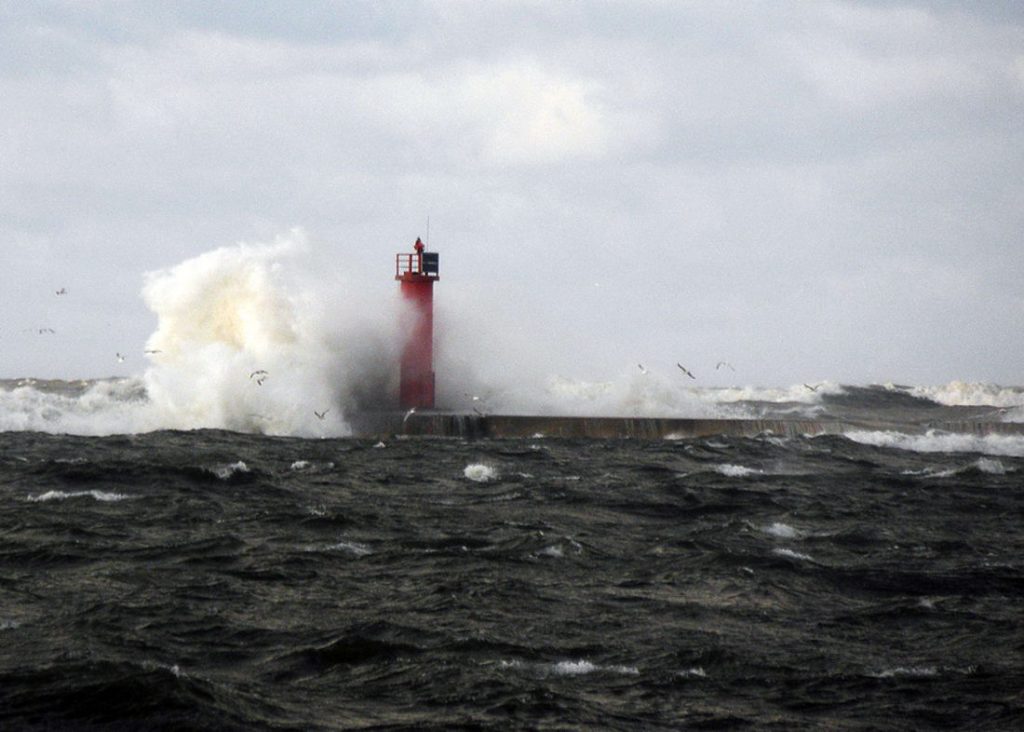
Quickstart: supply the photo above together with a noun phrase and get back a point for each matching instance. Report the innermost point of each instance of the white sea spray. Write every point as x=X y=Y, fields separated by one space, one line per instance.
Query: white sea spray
x=226 y=472
x=781 y=530
x=789 y=553
x=967 y=393
x=908 y=671
x=354 y=548
x=695 y=672
x=992 y=466
x=936 y=441
x=737 y=471
x=105 y=496
x=480 y=473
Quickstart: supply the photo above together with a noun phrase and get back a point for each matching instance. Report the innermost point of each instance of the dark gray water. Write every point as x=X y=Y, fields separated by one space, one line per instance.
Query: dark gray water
x=216 y=580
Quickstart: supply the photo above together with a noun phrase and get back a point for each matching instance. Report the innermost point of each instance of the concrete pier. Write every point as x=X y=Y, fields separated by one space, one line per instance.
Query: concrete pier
x=450 y=424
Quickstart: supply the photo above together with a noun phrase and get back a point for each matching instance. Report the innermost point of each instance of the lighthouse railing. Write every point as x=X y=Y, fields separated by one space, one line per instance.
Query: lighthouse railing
x=408 y=264
x=418 y=263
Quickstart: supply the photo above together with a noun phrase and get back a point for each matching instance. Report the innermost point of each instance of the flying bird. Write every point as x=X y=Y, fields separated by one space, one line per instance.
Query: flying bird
x=46 y=330
x=321 y=415
x=720 y=364
x=813 y=388
x=412 y=411
x=642 y=369
x=120 y=357
x=686 y=371
x=62 y=291
x=259 y=376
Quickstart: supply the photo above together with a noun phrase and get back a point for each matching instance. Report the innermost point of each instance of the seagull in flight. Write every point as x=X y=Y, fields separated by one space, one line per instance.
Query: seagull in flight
x=46 y=330
x=259 y=375
x=62 y=291
x=321 y=415
x=120 y=357
x=813 y=388
x=720 y=364
x=685 y=370
x=412 y=411
x=642 y=369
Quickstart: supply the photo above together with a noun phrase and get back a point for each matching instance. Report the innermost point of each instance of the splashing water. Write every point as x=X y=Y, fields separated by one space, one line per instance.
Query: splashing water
x=243 y=344
x=480 y=473
x=255 y=338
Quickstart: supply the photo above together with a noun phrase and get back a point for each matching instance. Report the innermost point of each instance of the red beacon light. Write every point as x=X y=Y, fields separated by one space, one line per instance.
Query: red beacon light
x=417 y=273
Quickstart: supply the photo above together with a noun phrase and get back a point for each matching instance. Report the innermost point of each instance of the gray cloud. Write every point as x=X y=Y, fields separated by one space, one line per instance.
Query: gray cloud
x=810 y=190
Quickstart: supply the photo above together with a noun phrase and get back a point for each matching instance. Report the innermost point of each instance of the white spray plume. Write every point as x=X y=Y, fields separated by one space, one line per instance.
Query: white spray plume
x=276 y=339
x=246 y=340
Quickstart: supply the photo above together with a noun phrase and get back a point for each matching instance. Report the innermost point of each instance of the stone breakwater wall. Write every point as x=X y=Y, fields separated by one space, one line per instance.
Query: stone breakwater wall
x=448 y=424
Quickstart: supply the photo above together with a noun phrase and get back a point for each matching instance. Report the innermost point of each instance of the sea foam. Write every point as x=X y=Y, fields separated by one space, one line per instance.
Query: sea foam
x=105 y=496
x=964 y=393
x=792 y=554
x=480 y=473
x=935 y=441
x=780 y=530
x=579 y=667
x=737 y=471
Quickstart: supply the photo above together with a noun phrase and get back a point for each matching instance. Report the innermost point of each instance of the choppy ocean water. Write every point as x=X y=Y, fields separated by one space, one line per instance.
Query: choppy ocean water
x=211 y=579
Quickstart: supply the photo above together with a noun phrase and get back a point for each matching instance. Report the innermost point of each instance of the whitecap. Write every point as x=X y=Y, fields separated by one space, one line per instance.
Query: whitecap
x=480 y=473
x=628 y=670
x=908 y=671
x=349 y=547
x=225 y=472
x=105 y=496
x=783 y=531
x=173 y=668
x=962 y=393
x=581 y=667
x=782 y=552
x=696 y=671
x=937 y=441
x=736 y=471
x=991 y=466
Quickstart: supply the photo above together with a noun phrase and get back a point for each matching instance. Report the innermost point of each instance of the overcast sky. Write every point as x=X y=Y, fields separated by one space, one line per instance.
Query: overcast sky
x=808 y=190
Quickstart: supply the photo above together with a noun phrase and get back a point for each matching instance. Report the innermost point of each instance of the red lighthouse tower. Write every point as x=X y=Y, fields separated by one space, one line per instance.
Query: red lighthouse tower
x=417 y=272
